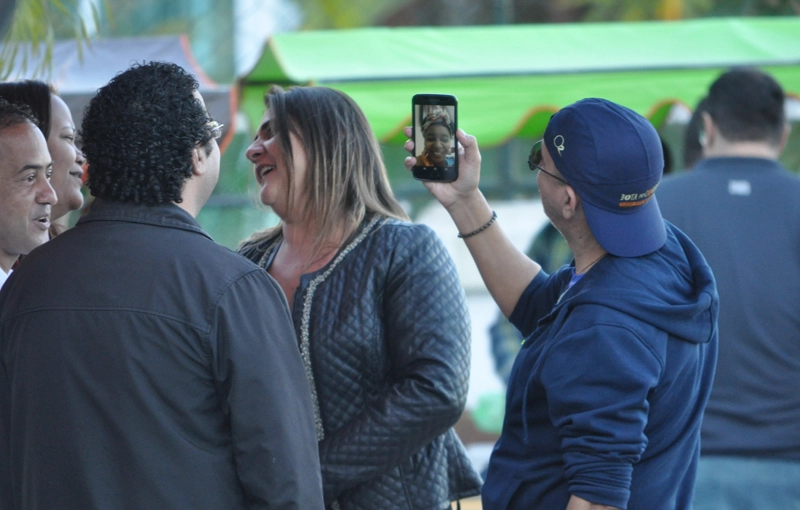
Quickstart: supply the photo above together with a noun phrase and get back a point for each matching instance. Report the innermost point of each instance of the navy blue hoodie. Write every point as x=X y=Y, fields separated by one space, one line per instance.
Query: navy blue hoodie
x=607 y=393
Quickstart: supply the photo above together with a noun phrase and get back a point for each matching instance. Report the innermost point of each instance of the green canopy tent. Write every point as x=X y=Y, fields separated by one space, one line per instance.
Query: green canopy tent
x=510 y=78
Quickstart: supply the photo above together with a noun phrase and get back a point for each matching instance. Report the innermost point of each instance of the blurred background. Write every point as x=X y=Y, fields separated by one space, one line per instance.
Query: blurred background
x=511 y=63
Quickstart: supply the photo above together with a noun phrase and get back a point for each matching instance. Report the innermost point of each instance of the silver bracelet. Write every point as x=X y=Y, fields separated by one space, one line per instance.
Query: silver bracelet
x=478 y=231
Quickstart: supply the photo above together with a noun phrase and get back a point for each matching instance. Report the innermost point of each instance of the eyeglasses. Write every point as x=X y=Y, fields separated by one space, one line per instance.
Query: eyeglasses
x=215 y=128
x=535 y=159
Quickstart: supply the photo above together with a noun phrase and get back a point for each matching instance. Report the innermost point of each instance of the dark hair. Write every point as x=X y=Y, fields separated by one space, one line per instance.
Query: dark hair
x=668 y=167
x=446 y=125
x=139 y=132
x=346 y=177
x=692 y=146
x=35 y=95
x=12 y=114
x=747 y=105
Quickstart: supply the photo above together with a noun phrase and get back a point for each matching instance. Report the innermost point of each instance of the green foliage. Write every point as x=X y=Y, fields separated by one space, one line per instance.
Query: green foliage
x=756 y=8
x=32 y=33
x=326 y=14
x=640 y=10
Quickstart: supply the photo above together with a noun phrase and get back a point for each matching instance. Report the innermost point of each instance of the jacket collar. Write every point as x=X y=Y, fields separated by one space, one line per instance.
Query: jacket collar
x=166 y=215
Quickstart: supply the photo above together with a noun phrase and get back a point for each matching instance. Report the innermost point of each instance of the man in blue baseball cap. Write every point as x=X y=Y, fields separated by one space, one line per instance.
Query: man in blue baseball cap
x=606 y=396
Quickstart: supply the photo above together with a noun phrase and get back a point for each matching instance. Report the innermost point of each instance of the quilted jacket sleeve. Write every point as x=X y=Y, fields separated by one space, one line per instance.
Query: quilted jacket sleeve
x=427 y=329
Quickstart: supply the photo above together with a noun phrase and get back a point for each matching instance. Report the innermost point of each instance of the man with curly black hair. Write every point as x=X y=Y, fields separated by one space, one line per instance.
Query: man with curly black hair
x=141 y=364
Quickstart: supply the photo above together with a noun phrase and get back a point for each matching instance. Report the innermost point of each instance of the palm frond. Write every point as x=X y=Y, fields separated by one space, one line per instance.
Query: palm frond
x=638 y=10
x=32 y=34
x=326 y=14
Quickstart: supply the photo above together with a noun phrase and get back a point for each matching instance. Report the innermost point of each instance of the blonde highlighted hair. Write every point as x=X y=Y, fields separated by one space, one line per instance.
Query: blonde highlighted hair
x=346 y=177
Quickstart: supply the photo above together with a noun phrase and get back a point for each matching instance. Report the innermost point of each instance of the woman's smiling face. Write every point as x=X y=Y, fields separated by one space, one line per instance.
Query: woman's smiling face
x=437 y=143
x=68 y=160
x=272 y=170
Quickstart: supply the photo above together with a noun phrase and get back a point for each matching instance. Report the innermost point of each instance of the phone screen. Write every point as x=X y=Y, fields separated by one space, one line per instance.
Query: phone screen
x=435 y=124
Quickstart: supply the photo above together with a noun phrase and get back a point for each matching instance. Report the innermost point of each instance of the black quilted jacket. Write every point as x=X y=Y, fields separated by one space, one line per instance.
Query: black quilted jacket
x=385 y=335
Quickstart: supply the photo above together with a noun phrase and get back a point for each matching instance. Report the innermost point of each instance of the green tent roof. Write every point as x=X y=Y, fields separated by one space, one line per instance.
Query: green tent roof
x=509 y=79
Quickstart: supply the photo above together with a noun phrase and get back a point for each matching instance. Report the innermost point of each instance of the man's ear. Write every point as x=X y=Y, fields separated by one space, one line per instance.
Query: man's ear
x=787 y=130
x=198 y=161
x=709 y=133
x=571 y=202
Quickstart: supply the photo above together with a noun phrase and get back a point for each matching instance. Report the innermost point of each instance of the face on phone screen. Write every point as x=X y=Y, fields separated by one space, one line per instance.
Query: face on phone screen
x=434 y=136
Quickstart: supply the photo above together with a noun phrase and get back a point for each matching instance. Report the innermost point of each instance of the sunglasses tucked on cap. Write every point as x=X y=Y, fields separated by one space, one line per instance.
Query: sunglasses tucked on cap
x=613 y=159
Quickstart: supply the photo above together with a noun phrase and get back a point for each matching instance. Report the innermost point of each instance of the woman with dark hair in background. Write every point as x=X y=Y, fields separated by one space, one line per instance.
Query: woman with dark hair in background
x=438 y=136
x=694 y=136
x=379 y=312
x=55 y=121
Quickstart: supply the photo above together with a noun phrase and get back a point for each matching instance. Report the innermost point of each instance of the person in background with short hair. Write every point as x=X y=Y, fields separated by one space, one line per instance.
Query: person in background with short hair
x=694 y=135
x=606 y=395
x=742 y=208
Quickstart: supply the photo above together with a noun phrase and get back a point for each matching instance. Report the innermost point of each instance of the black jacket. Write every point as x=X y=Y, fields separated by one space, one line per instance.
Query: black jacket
x=385 y=334
x=143 y=366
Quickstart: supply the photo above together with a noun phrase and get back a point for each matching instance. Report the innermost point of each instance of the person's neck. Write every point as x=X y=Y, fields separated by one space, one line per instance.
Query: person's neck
x=190 y=206
x=586 y=261
x=7 y=262
x=586 y=251
x=300 y=238
x=194 y=195
x=748 y=149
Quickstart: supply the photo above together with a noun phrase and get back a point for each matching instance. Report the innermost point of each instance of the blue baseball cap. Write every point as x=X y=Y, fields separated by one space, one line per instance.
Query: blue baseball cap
x=613 y=159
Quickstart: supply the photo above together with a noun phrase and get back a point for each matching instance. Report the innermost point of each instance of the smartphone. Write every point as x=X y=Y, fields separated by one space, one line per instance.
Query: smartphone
x=435 y=121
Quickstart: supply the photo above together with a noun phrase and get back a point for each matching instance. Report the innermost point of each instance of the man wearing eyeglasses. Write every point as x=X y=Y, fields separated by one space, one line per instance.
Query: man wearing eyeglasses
x=141 y=364
x=606 y=395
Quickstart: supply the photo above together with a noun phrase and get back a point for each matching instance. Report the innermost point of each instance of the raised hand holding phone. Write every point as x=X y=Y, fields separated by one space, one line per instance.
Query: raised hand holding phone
x=448 y=193
x=504 y=268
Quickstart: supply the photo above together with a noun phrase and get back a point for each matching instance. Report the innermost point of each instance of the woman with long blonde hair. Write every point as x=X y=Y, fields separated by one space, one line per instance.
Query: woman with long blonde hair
x=379 y=312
